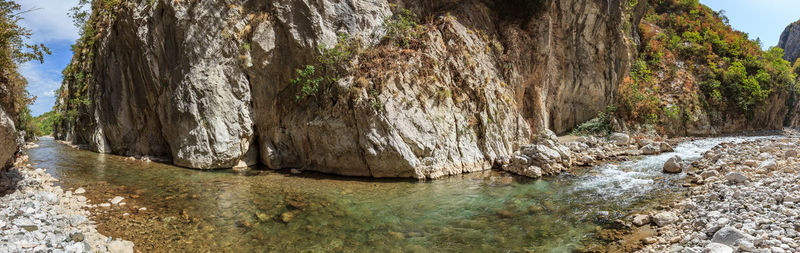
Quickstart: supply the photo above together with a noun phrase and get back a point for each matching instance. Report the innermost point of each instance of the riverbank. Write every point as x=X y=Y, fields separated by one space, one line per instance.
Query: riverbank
x=36 y=215
x=743 y=198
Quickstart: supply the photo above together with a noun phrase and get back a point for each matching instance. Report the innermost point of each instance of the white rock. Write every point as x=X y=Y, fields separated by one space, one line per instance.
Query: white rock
x=746 y=245
x=80 y=190
x=736 y=177
x=709 y=173
x=665 y=147
x=768 y=165
x=120 y=247
x=673 y=165
x=641 y=220
x=50 y=198
x=717 y=248
x=665 y=218
x=619 y=139
x=651 y=149
x=730 y=236
x=116 y=200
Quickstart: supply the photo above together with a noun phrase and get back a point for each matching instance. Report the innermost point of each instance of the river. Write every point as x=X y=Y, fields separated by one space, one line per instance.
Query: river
x=274 y=211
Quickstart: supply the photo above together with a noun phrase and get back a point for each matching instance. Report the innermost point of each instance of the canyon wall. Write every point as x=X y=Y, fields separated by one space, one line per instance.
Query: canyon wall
x=207 y=84
x=8 y=139
x=790 y=42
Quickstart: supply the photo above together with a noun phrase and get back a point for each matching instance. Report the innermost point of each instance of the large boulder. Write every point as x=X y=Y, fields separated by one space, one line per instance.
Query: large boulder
x=120 y=246
x=651 y=149
x=546 y=156
x=665 y=218
x=656 y=148
x=619 y=139
x=731 y=236
x=717 y=248
x=768 y=165
x=8 y=139
x=673 y=165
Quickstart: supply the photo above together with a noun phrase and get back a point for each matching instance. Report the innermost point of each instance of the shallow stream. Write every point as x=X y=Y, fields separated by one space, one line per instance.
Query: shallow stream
x=273 y=211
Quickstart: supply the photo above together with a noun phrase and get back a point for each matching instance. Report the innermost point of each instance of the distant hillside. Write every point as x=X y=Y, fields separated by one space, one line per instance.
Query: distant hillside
x=695 y=75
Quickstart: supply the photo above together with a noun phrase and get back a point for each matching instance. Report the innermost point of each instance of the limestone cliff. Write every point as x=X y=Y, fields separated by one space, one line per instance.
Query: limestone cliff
x=208 y=84
x=8 y=139
x=790 y=42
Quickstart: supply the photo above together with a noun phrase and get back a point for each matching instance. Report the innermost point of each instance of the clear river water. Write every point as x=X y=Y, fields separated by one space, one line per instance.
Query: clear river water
x=274 y=211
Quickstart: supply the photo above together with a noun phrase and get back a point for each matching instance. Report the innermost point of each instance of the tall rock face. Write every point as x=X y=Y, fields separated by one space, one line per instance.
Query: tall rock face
x=8 y=139
x=790 y=42
x=208 y=83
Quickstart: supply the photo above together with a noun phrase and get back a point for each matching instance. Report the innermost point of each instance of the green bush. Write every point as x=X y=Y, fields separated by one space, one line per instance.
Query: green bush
x=402 y=28
x=309 y=83
x=599 y=126
x=735 y=73
x=328 y=68
x=14 y=50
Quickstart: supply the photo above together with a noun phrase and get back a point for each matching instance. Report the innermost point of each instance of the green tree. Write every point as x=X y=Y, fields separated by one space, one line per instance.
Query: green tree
x=14 y=99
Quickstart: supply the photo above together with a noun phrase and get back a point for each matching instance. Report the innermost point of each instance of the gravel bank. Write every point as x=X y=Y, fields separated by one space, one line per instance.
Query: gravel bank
x=37 y=216
x=744 y=198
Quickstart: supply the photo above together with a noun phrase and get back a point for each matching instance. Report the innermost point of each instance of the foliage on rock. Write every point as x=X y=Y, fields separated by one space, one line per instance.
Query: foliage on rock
x=93 y=17
x=330 y=66
x=600 y=125
x=721 y=70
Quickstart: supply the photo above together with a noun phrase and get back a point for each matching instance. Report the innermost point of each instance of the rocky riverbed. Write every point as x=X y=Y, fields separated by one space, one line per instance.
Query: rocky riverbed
x=743 y=198
x=38 y=216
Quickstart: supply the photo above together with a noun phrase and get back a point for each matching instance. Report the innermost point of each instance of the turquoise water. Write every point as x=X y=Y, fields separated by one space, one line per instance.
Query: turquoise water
x=273 y=211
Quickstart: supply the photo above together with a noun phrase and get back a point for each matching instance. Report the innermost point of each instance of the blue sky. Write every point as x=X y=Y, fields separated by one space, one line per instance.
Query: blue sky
x=763 y=19
x=50 y=24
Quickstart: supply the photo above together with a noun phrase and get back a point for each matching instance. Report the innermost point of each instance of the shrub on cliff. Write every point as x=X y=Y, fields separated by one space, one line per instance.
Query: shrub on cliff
x=74 y=96
x=330 y=66
x=729 y=72
x=403 y=28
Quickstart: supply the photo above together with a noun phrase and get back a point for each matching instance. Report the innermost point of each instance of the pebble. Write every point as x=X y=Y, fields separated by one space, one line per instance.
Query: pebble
x=717 y=248
x=665 y=218
x=41 y=217
x=736 y=178
x=641 y=220
x=120 y=247
x=77 y=237
x=80 y=190
x=754 y=211
x=116 y=200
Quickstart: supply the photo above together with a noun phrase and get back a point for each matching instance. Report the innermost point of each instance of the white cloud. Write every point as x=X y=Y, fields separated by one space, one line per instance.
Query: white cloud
x=49 y=21
x=41 y=83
